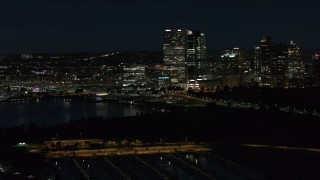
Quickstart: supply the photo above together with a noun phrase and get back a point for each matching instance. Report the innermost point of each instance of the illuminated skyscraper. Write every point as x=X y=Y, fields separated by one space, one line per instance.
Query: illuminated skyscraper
x=257 y=65
x=184 y=56
x=296 y=67
x=275 y=63
x=196 y=55
x=233 y=68
x=243 y=64
x=316 y=69
x=279 y=66
x=174 y=56
x=266 y=56
x=228 y=68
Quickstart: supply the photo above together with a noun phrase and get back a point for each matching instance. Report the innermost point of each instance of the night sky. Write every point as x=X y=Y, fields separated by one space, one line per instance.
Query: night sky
x=137 y=25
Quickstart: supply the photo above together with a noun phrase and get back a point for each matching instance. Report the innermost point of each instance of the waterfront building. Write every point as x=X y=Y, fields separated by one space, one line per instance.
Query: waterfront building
x=133 y=78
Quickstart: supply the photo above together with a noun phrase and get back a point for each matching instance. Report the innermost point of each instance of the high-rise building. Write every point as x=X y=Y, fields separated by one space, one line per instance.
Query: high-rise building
x=257 y=65
x=275 y=63
x=174 y=56
x=234 y=68
x=228 y=69
x=243 y=63
x=279 y=66
x=296 y=67
x=196 y=55
x=316 y=69
x=184 y=56
x=265 y=55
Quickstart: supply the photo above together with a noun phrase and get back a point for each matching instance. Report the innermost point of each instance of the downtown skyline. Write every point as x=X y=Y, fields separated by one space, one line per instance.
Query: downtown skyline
x=159 y=89
x=80 y=26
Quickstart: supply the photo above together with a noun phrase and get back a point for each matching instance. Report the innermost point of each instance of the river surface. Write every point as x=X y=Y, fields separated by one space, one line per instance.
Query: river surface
x=58 y=111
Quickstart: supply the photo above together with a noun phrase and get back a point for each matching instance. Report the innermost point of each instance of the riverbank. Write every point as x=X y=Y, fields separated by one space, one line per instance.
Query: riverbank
x=211 y=123
x=214 y=124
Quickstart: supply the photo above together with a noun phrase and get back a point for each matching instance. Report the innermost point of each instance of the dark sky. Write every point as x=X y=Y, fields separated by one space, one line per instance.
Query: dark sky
x=124 y=25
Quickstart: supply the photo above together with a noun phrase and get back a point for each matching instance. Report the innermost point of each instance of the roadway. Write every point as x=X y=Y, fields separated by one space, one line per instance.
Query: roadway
x=243 y=105
x=128 y=150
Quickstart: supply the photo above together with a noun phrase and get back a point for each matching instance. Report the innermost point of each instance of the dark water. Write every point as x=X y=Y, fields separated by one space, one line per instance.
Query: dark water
x=57 y=111
x=275 y=163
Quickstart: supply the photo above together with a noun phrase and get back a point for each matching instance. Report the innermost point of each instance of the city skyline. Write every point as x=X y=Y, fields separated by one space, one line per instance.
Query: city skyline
x=80 y=26
x=159 y=89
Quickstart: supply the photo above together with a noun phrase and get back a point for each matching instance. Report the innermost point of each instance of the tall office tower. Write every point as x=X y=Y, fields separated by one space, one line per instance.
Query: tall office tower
x=201 y=58
x=174 y=56
x=296 y=67
x=234 y=68
x=257 y=65
x=228 y=71
x=279 y=66
x=184 y=56
x=266 y=60
x=244 y=66
x=212 y=65
x=271 y=62
x=316 y=69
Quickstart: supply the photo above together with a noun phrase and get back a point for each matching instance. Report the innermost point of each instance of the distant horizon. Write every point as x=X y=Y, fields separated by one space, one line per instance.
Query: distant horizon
x=135 y=51
x=247 y=47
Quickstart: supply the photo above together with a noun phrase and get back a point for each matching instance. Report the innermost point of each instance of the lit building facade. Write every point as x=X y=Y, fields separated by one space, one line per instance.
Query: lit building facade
x=196 y=55
x=265 y=61
x=279 y=66
x=228 y=69
x=152 y=73
x=234 y=68
x=316 y=69
x=243 y=63
x=174 y=56
x=296 y=67
x=184 y=57
x=257 y=65
x=133 y=78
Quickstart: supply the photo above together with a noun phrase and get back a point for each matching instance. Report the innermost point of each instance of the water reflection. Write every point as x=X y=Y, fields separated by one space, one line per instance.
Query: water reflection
x=52 y=112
